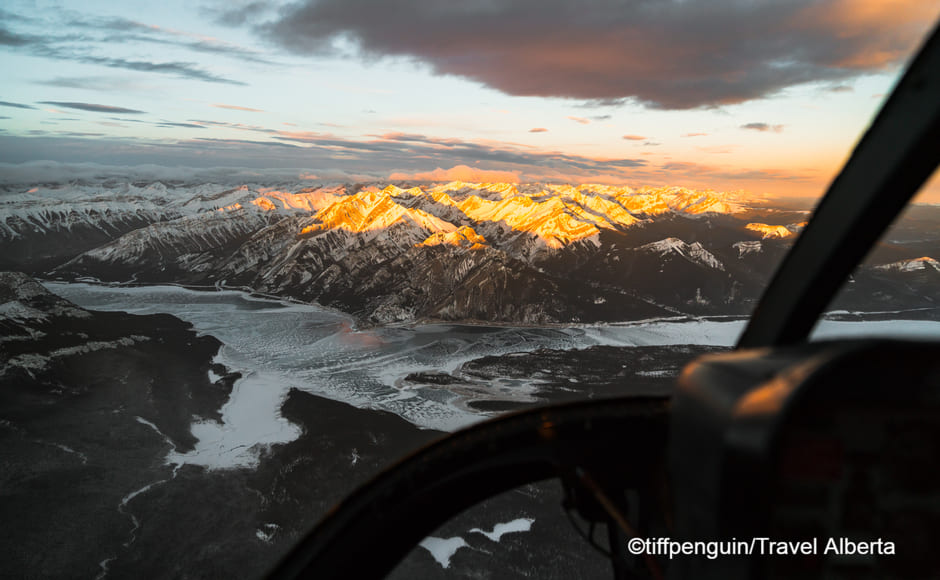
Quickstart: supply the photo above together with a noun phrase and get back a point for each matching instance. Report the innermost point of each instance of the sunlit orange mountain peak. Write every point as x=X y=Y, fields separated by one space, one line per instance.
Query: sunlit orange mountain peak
x=264 y=204
x=563 y=228
x=308 y=200
x=604 y=210
x=767 y=231
x=395 y=191
x=644 y=204
x=452 y=187
x=524 y=218
x=603 y=189
x=552 y=220
x=464 y=237
x=556 y=215
x=434 y=194
x=654 y=201
x=441 y=197
x=501 y=189
x=371 y=210
x=504 y=189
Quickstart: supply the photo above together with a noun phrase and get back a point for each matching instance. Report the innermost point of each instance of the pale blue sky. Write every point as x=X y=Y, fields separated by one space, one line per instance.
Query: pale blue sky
x=205 y=84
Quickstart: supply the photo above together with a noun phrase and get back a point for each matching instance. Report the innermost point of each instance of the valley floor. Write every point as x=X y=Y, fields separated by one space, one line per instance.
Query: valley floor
x=204 y=448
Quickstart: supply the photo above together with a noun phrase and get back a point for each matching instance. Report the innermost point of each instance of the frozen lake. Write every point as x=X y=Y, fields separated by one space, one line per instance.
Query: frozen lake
x=279 y=345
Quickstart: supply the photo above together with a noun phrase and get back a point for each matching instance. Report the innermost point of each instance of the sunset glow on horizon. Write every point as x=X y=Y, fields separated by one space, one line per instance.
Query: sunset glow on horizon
x=764 y=97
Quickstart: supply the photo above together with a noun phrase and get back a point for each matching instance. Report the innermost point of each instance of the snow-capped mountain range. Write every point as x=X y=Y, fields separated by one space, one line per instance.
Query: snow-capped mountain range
x=532 y=253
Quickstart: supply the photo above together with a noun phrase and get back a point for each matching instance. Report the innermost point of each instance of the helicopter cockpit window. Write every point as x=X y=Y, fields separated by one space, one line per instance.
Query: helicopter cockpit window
x=252 y=253
x=895 y=291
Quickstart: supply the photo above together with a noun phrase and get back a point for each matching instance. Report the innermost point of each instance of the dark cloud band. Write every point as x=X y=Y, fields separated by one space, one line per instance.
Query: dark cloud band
x=666 y=54
x=94 y=108
x=379 y=154
x=15 y=105
x=763 y=127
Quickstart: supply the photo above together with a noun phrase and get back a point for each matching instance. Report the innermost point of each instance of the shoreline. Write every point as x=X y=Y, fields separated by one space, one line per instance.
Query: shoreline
x=357 y=324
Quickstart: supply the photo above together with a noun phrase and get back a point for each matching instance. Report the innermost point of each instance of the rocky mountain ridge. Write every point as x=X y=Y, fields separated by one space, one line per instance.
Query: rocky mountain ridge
x=522 y=253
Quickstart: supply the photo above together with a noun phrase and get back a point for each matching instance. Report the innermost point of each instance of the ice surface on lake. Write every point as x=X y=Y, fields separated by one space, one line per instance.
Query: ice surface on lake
x=280 y=345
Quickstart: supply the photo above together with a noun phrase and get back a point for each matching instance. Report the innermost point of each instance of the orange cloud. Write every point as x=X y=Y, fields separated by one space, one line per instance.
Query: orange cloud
x=634 y=137
x=581 y=120
x=696 y=135
x=538 y=130
x=886 y=25
x=236 y=108
x=301 y=136
x=459 y=173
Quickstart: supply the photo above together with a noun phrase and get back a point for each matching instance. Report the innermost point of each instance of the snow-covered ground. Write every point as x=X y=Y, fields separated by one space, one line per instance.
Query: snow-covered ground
x=251 y=420
x=443 y=549
x=279 y=345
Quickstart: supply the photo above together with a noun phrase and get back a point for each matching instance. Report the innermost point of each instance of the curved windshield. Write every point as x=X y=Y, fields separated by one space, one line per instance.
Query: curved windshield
x=895 y=291
x=252 y=253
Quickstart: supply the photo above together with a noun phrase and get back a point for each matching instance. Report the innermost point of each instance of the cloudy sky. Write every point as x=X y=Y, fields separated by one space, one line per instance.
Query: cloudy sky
x=766 y=96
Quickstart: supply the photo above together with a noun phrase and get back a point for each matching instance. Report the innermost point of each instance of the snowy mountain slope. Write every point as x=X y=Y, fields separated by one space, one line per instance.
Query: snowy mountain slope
x=694 y=253
x=180 y=248
x=26 y=309
x=748 y=247
x=368 y=252
x=915 y=265
x=43 y=226
x=482 y=251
